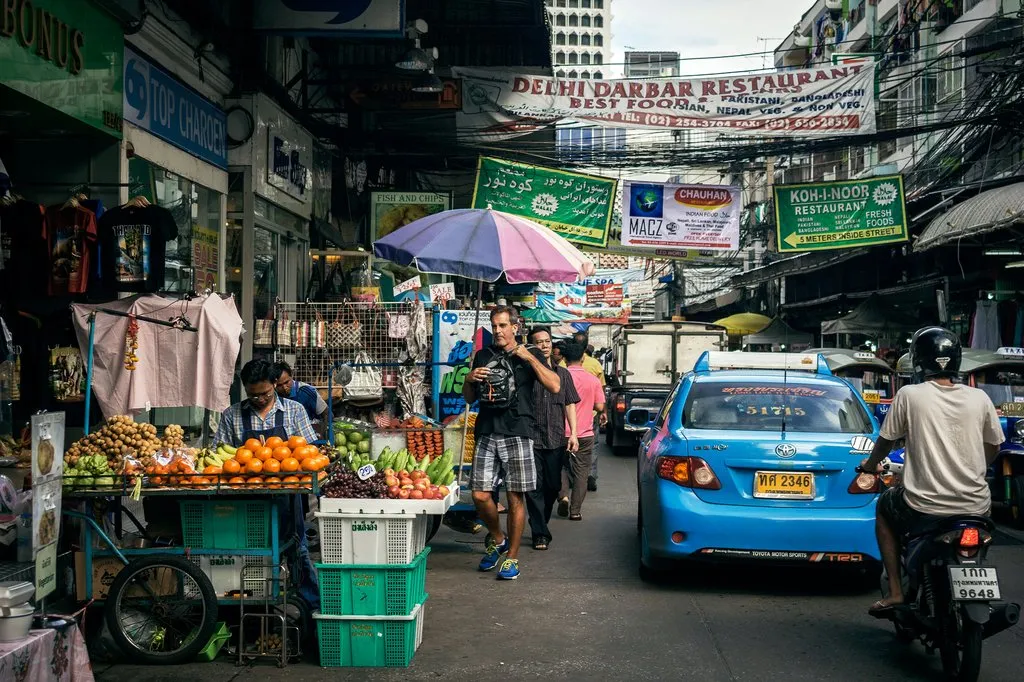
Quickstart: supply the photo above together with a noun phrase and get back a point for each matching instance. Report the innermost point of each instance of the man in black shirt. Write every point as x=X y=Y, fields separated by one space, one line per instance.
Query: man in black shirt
x=504 y=438
x=553 y=411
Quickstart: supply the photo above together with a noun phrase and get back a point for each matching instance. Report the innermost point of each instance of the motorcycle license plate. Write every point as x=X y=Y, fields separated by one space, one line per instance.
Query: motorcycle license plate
x=781 y=485
x=974 y=583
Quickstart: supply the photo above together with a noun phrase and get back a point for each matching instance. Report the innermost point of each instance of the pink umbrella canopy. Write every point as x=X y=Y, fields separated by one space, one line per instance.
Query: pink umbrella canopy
x=484 y=244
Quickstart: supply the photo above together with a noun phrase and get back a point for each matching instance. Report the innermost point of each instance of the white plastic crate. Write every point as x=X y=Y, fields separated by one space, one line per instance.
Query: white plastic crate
x=371 y=538
x=225 y=572
x=362 y=507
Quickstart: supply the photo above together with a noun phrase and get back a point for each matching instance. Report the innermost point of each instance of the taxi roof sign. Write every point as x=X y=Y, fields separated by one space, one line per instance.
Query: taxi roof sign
x=864 y=355
x=1011 y=352
x=802 y=362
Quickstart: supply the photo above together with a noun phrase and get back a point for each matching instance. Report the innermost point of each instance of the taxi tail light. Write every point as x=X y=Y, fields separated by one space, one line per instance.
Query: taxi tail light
x=864 y=483
x=689 y=472
x=620 y=404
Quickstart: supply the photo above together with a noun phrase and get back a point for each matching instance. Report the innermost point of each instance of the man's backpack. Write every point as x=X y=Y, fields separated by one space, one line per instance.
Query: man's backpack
x=498 y=390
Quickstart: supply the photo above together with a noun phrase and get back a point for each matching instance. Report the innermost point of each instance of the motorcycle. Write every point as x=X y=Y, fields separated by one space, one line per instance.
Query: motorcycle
x=952 y=598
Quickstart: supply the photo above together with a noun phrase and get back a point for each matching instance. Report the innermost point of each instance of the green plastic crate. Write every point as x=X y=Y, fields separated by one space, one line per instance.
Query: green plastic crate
x=372 y=589
x=219 y=638
x=369 y=641
x=226 y=524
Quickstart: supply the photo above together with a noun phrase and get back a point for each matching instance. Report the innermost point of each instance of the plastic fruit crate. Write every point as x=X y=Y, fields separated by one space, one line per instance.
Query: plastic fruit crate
x=220 y=637
x=369 y=641
x=372 y=590
x=371 y=538
x=226 y=524
x=225 y=574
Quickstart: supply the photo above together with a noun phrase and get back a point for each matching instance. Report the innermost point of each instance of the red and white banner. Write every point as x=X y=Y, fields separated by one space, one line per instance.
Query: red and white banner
x=659 y=216
x=825 y=101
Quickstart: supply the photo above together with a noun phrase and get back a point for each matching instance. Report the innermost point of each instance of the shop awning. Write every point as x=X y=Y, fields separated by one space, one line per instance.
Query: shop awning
x=742 y=324
x=778 y=332
x=802 y=263
x=871 y=317
x=991 y=210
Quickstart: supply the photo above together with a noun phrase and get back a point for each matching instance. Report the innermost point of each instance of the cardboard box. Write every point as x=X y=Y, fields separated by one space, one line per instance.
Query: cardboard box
x=105 y=570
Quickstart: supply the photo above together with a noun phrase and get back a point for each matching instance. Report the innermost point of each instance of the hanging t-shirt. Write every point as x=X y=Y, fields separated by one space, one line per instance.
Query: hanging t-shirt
x=70 y=233
x=134 y=247
x=23 y=260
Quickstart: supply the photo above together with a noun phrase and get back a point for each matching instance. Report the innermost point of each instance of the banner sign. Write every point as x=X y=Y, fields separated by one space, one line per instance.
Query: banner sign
x=573 y=299
x=392 y=210
x=578 y=207
x=840 y=215
x=158 y=102
x=205 y=258
x=408 y=285
x=358 y=18
x=47 y=470
x=606 y=293
x=658 y=216
x=442 y=293
x=823 y=102
x=454 y=345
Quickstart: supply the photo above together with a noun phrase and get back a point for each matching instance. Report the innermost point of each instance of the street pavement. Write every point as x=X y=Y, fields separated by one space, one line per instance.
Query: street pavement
x=579 y=612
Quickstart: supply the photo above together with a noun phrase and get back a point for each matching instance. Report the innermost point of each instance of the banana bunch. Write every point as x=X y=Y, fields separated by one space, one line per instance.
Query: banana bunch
x=215 y=458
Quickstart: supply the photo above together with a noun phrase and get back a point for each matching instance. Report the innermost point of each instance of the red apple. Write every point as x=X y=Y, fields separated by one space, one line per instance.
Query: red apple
x=389 y=472
x=416 y=494
x=438 y=495
x=405 y=480
x=391 y=481
x=393 y=491
x=416 y=475
x=405 y=494
x=443 y=490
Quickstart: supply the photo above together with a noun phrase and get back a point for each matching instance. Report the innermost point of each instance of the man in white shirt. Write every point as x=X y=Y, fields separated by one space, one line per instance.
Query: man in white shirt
x=952 y=434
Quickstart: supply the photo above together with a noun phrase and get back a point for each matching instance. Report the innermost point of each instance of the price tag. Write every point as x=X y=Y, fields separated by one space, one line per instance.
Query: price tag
x=408 y=285
x=366 y=471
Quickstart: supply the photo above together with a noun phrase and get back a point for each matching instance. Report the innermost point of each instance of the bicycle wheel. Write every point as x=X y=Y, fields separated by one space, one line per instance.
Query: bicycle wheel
x=161 y=609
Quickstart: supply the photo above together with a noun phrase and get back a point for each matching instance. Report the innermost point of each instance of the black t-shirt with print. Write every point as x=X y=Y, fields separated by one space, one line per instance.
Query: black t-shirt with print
x=517 y=419
x=133 y=247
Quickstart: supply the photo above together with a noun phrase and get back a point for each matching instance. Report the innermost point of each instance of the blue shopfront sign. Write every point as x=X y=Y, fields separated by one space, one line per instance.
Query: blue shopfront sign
x=156 y=101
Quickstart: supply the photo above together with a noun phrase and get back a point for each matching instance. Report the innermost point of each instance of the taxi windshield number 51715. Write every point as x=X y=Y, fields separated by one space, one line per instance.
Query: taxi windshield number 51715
x=776 y=411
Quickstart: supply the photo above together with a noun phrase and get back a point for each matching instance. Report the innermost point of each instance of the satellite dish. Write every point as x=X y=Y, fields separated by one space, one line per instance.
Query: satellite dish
x=343 y=375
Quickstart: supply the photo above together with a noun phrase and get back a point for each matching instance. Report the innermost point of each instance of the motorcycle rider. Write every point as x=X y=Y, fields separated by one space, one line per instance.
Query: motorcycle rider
x=952 y=434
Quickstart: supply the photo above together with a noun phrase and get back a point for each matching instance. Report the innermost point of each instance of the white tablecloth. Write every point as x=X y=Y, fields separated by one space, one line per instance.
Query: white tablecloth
x=46 y=656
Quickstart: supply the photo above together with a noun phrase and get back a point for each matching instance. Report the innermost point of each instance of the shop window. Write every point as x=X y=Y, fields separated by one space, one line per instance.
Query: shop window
x=574 y=39
x=585 y=20
x=560 y=20
x=574 y=20
x=599 y=40
x=585 y=40
x=560 y=38
x=574 y=58
x=265 y=288
x=584 y=58
x=599 y=22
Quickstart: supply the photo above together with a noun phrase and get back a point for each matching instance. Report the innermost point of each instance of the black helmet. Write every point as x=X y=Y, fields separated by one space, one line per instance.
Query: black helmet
x=935 y=352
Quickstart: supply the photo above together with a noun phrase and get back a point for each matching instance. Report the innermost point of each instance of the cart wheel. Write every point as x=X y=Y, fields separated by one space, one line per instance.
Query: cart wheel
x=161 y=609
x=433 y=525
x=298 y=614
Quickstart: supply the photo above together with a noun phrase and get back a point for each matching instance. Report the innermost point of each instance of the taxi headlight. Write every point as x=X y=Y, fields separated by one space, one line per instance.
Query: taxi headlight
x=1018 y=428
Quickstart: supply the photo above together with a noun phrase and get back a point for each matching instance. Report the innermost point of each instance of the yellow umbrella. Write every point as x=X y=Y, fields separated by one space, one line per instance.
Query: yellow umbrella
x=742 y=324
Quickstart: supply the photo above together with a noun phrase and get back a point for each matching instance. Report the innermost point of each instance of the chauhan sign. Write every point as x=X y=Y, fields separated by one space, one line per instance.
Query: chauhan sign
x=840 y=215
x=576 y=206
x=825 y=101
x=658 y=216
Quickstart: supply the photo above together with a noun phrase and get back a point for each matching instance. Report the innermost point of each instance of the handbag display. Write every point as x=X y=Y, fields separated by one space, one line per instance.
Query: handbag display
x=366 y=381
x=264 y=333
x=341 y=334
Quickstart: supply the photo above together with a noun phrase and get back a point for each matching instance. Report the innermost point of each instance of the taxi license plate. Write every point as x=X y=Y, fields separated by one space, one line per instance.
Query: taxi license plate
x=974 y=583
x=1012 y=409
x=783 y=485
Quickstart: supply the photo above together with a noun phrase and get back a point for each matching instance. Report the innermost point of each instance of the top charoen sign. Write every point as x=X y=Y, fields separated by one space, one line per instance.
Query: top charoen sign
x=823 y=101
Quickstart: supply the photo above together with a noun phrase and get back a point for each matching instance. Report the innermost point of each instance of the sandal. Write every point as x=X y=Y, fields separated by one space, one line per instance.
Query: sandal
x=882 y=609
x=540 y=543
x=575 y=517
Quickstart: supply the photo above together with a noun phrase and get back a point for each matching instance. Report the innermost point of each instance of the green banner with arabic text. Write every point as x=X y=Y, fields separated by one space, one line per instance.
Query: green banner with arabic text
x=576 y=206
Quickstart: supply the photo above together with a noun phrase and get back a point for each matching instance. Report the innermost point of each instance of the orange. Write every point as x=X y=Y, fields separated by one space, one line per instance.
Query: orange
x=243 y=455
x=321 y=476
x=253 y=481
x=254 y=467
x=236 y=481
x=272 y=482
x=289 y=481
x=271 y=466
x=232 y=466
x=309 y=464
x=253 y=445
x=325 y=461
x=306 y=479
x=290 y=464
x=282 y=452
x=200 y=480
x=274 y=442
x=264 y=453
x=296 y=442
x=211 y=470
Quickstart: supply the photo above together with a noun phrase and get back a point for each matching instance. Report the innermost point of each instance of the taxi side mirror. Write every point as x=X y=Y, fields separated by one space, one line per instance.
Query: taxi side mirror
x=638 y=420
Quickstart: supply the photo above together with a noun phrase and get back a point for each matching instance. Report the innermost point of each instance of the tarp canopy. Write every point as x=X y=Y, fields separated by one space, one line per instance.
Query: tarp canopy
x=778 y=332
x=872 y=317
x=742 y=324
x=988 y=211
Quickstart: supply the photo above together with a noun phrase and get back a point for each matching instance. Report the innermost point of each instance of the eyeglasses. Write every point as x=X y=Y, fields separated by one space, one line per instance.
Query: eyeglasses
x=260 y=397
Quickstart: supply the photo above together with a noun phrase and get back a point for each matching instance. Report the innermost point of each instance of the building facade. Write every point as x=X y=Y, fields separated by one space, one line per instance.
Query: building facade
x=581 y=37
x=651 y=64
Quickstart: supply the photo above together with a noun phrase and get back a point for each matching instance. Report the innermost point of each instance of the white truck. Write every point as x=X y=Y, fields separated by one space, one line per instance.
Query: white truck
x=646 y=361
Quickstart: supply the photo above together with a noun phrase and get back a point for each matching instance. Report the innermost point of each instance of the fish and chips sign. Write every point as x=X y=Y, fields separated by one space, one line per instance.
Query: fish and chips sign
x=819 y=102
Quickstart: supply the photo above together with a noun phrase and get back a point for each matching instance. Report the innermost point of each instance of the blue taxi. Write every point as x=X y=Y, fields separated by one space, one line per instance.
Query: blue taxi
x=753 y=456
